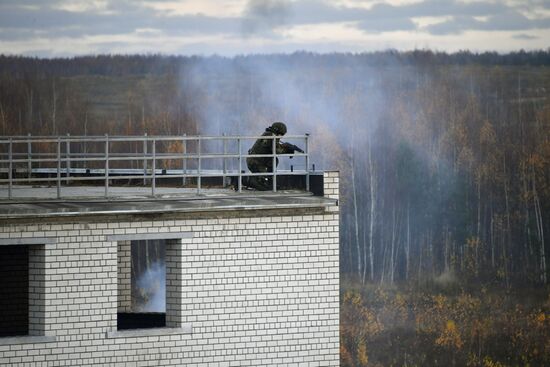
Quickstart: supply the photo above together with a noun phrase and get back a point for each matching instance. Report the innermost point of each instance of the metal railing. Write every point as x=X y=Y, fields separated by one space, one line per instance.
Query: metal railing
x=65 y=160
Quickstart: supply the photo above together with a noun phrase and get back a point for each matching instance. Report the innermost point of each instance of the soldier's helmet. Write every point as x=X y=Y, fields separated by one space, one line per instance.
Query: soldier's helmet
x=278 y=128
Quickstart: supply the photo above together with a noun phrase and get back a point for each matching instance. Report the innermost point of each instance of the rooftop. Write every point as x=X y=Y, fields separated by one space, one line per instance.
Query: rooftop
x=168 y=200
x=65 y=208
x=82 y=176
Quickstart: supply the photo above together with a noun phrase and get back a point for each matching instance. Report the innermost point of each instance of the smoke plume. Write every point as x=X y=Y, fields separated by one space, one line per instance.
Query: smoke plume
x=152 y=285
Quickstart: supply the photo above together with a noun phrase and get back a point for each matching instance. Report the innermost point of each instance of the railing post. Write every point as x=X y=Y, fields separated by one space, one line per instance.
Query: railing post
x=184 y=159
x=10 y=167
x=307 y=162
x=224 y=161
x=144 y=159
x=85 y=149
x=199 y=178
x=274 y=170
x=29 y=157
x=154 y=165
x=240 y=173
x=106 y=165
x=68 y=161
x=58 y=167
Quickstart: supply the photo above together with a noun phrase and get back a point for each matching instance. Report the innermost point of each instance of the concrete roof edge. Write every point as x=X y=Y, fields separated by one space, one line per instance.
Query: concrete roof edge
x=218 y=205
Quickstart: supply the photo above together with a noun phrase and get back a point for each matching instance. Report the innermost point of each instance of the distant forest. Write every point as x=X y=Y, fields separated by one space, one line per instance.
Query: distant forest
x=444 y=158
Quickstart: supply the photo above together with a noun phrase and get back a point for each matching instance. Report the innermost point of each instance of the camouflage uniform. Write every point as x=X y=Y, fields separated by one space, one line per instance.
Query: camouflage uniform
x=265 y=164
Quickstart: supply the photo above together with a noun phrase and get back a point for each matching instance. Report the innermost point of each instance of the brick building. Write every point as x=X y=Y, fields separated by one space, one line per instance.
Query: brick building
x=251 y=280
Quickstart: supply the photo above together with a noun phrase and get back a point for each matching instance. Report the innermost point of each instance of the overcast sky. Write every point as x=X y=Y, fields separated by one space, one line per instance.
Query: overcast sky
x=229 y=27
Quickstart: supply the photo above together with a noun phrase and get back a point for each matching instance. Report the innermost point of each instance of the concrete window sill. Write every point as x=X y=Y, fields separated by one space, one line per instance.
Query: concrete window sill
x=135 y=333
x=26 y=339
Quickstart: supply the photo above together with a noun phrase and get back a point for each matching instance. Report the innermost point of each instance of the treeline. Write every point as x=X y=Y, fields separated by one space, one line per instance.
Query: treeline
x=445 y=158
x=155 y=64
x=106 y=65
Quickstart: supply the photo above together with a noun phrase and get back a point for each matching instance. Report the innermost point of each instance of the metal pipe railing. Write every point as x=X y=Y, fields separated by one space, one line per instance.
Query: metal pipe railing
x=10 y=167
x=106 y=165
x=154 y=168
x=93 y=158
x=59 y=168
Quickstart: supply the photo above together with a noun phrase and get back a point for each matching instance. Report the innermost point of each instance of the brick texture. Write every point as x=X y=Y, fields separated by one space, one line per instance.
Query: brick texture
x=124 y=254
x=258 y=289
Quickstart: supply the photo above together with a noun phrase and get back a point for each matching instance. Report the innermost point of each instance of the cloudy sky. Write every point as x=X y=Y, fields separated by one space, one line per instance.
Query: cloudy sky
x=229 y=27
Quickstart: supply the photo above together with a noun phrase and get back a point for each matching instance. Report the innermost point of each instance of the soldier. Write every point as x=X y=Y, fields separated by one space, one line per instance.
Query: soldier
x=265 y=164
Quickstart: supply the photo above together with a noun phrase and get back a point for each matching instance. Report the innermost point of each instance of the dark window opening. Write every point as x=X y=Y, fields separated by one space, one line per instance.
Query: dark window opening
x=143 y=320
x=145 y=305
x=14 y=290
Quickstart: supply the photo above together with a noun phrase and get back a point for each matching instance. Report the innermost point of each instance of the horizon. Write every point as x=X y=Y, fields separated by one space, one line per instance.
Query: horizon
x=296 y=52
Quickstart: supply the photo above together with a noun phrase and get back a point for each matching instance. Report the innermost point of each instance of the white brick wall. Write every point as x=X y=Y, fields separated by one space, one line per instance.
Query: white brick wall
x=258 y=290
x=124 y=257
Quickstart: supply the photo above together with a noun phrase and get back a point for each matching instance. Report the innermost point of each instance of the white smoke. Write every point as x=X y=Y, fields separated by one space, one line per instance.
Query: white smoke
x=152 y=284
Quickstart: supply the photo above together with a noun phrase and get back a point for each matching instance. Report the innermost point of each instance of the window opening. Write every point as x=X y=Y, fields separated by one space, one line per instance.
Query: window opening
x=141 y=284
x=14 y=290
x=22 y=290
